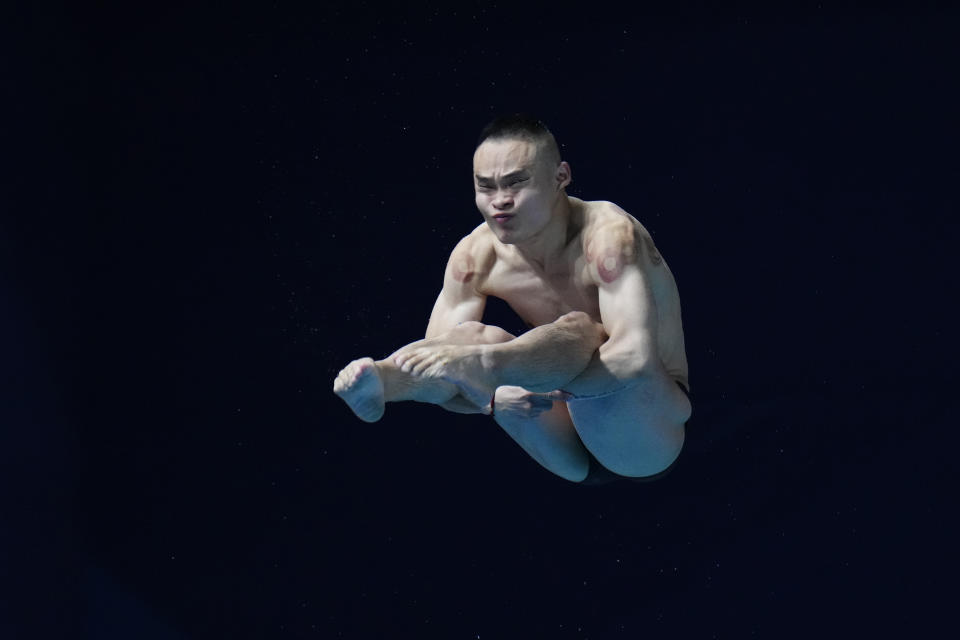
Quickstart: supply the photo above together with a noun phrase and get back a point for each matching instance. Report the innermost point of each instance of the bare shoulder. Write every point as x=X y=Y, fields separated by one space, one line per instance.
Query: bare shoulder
x=614 y=238
x=473 y=257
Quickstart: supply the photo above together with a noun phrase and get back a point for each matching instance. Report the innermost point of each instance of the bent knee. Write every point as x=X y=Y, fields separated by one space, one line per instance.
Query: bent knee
x=575 y=317
x=474 y=332
x=574 y=471
x=469 y=327
x=467 y=332
x=583 y=322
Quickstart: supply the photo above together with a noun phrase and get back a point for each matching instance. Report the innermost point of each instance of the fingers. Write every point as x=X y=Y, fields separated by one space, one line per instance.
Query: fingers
x=415 y=362
x=423 y=362
x=426 y=367
x=405 y=351
x=406 y=360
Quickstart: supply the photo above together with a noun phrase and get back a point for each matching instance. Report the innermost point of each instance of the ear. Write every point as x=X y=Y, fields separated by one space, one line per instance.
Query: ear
x=563 y=176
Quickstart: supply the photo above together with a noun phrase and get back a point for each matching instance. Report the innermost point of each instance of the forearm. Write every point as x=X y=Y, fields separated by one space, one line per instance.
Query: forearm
x=546 y=357
x=459 y=404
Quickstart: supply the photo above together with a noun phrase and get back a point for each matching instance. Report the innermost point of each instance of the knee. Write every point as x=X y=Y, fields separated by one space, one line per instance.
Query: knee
x=575 y=317
x=468 y=328
x=582 y=322
x=473 y=332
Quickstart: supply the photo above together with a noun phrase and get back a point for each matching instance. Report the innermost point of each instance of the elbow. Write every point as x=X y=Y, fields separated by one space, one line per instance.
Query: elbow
x=628 y=363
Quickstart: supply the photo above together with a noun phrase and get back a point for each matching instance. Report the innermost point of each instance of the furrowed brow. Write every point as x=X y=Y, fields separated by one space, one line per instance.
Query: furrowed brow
x=512 y=174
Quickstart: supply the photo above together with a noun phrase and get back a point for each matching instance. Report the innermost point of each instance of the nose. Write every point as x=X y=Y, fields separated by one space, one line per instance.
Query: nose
x=502 y=200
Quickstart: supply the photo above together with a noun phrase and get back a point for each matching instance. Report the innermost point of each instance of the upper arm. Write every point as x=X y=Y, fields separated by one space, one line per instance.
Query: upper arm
x=459 y=299
x=620 y=263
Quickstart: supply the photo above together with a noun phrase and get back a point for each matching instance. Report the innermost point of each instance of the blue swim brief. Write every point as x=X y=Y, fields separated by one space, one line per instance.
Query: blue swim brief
x=598 y=474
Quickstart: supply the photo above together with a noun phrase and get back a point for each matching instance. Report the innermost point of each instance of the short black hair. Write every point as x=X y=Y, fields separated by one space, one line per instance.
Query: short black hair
x=524 y=127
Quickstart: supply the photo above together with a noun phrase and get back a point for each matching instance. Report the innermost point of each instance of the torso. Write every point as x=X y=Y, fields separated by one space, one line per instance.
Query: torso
x=540 y=297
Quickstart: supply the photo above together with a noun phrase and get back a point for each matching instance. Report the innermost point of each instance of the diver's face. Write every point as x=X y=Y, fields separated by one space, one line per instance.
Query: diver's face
x=515 y=191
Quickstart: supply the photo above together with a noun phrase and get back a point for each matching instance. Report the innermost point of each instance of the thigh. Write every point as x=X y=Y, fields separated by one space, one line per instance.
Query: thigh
x=637 y=431
x=476 y=333
x=549 y=437
x=598 y=475
x=470 y=332
x=401 y=385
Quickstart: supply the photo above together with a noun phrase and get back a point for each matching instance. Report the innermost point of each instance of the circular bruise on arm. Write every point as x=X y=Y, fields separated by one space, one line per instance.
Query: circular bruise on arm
x=610 y=264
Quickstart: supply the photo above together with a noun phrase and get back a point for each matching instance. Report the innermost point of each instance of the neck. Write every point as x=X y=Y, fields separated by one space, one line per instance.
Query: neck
x=546 y=247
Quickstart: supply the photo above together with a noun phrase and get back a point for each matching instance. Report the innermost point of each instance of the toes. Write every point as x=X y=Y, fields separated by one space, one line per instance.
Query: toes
x=350 y=374
x=357 y=369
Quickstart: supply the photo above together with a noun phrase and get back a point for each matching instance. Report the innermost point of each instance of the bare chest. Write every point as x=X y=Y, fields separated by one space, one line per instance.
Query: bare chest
x=540 y=298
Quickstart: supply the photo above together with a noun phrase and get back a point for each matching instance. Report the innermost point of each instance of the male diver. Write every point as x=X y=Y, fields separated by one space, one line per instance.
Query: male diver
x=597 y=389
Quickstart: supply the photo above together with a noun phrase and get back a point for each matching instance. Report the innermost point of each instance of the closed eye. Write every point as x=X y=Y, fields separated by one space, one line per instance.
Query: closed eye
x=510 y=182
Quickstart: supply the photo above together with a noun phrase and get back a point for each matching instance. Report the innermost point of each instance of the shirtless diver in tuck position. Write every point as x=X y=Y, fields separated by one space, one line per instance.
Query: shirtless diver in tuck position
x=597 y=389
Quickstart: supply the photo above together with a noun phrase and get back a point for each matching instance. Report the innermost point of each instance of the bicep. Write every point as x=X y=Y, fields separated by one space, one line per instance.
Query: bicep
x=452 y=308
x=620 y=268
x=628 y=311
x=459 y=300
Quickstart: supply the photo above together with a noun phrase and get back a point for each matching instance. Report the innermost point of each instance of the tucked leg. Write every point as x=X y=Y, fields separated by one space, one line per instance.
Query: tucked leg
x=366 y=385
x=401 y=385
x=638 y=430
x=541 y=360
x=540 y=424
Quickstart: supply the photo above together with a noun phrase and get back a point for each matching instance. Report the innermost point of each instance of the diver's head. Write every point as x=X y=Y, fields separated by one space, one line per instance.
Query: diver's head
x=518 y=177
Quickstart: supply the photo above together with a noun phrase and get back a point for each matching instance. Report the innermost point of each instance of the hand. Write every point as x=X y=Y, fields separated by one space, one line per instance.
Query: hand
x=517 y=402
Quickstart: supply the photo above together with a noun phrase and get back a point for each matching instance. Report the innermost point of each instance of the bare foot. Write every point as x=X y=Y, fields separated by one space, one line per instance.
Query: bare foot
x=360 y=386
x=461 y=365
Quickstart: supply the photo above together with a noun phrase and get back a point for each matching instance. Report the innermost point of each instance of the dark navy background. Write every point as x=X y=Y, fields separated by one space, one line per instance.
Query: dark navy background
x=226 y=207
